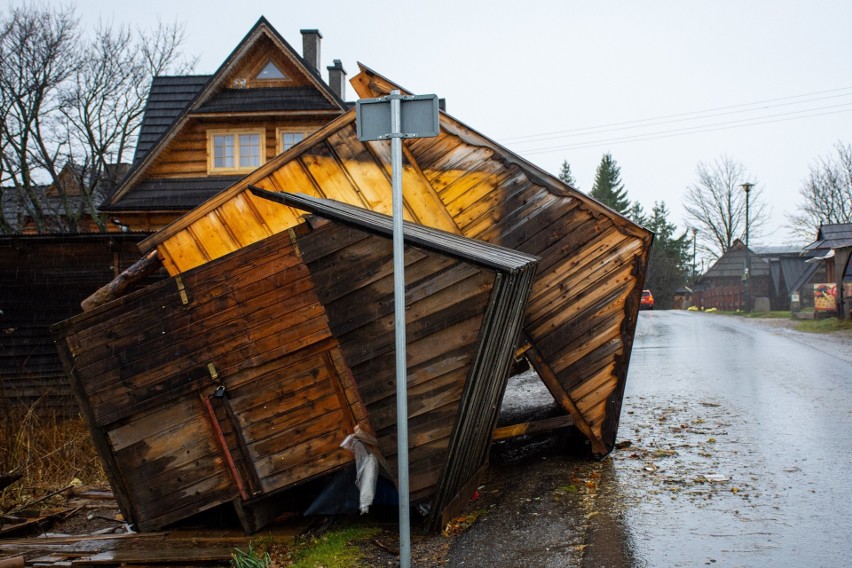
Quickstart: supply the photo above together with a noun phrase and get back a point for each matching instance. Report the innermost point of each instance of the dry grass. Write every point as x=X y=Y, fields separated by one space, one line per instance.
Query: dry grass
x=48 y=450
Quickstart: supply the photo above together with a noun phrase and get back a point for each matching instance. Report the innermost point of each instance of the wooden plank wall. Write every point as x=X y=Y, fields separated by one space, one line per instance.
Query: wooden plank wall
x=585 y=300
x=445 y=303
x=583 y=306
x=42 y=281
x=337 y=167
x=142 y=368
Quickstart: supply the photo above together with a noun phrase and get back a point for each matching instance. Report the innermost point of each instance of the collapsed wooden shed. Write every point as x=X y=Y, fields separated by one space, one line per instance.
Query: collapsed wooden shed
x=238 y=379
x=579 y=325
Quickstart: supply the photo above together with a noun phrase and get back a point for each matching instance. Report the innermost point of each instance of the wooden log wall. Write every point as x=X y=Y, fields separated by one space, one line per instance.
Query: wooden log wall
x=222 y=383
x=186 y=156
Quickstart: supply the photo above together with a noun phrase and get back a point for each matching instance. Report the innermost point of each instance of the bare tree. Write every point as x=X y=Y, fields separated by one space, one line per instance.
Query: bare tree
x=105 y=100
x=37 y=55
x=72 y=107
x=826 y=194
x=716 y=205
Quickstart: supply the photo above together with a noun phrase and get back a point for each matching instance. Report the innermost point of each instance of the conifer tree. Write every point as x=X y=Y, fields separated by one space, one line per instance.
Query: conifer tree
x=608 y=188
x=668 y=264
x=565 y=175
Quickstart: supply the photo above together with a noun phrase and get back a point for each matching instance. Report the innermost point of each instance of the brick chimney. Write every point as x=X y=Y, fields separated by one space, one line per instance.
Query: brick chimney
x=337 y=79
x=311 y=40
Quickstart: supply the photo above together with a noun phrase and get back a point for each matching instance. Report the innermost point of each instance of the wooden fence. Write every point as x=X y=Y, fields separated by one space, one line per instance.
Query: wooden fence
x=728 y=298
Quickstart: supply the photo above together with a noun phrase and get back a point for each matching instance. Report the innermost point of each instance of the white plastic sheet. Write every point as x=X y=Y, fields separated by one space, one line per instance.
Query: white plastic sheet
x=366 y=467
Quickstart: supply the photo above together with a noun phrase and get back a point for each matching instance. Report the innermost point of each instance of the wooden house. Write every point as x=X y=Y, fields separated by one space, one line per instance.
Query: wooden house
x=774 y=272
x=579 y=326
x=834 y=244
x=201 y=133
x=238 y=379
x=723 y=285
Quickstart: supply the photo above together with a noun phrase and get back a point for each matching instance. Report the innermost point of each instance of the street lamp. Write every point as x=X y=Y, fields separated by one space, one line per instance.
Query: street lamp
x=747 y=276
x=694 y=238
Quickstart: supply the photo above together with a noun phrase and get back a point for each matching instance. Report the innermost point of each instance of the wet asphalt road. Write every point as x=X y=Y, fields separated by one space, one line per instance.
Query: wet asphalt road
x=736 y=451
x=777 y=406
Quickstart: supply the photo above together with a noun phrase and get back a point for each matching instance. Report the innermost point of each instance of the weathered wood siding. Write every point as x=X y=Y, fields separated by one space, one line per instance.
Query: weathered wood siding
x=42 y=281
x=336 y=167
x=445 y=303
x=582 y=314
x=186 y=156
x=582 y=310
x=464 y=303
x=146 y=369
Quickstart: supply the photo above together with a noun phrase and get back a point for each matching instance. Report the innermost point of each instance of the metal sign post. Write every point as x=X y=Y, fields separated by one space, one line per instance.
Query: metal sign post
x=397 y=117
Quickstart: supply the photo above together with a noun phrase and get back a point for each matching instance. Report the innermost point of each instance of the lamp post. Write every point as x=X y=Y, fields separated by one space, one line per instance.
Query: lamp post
x=747 y=276
x=694 y=238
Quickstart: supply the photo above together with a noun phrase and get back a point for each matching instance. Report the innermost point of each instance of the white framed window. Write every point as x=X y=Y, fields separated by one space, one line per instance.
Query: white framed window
x=235 y=150
x=289 y=137
x=271 y=72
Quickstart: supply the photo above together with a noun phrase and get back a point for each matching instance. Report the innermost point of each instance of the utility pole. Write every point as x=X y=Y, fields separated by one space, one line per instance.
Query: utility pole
x=747 y=277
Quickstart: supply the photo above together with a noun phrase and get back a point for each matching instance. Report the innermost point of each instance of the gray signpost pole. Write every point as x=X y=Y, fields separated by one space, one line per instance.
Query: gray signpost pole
x=399 y=326
x=411 y=116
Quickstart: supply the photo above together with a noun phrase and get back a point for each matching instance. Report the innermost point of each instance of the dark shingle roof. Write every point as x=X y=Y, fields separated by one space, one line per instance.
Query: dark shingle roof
x=832 y=236
x=266 y=100
x=172 y=194
x=732 y=264
x=168 y=97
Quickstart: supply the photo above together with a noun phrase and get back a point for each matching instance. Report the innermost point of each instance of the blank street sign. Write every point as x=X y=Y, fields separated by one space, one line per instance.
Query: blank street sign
x=419 y=117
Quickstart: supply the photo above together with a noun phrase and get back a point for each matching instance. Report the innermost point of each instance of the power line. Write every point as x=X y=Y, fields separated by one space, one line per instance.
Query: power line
x=681 y=117
x=755 y=121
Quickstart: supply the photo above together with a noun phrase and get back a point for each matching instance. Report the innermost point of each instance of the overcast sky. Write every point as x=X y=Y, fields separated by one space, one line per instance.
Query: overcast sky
x=661 y=85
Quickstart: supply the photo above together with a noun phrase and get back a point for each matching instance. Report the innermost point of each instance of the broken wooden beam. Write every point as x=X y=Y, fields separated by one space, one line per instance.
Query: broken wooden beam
x=533 y=427
x=139 y=270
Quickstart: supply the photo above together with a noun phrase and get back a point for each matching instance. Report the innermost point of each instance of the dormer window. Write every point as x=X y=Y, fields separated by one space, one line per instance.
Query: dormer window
x=232 y=151
x=271 y=72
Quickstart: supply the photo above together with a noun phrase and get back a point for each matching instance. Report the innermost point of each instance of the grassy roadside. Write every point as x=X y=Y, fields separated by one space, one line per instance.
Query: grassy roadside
x=822 y=325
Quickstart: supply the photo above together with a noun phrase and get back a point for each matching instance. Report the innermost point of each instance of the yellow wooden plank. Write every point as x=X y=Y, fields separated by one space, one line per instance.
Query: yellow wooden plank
x=292 y=177
x=277 y=217
x=213 y=236
x=593 y=385
x=595 y=416
x=458 y=164
x=243 y=220
x=329 y=176
x=420 y=199
x=183 y=251
x=369 y=177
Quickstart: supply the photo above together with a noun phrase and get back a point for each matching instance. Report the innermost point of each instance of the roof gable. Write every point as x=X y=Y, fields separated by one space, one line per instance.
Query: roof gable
x=176 y=99
x=832 y=236
x=732 y=263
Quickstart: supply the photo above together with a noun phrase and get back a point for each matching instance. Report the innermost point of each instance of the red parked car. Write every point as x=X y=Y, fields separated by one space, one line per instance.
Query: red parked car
x=647 y=301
